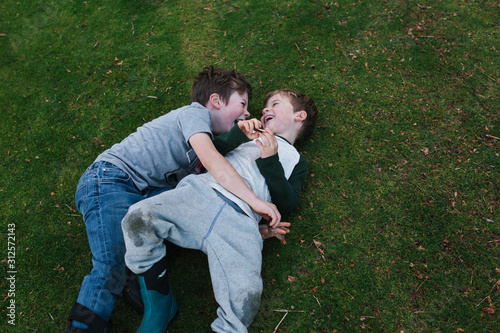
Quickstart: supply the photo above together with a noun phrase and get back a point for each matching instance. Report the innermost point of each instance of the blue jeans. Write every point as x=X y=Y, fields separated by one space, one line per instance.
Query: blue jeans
x=103 y=196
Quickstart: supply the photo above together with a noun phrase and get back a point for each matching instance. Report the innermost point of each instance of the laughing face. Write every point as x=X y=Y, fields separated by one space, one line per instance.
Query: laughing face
x=230 y=112
x=278 y=115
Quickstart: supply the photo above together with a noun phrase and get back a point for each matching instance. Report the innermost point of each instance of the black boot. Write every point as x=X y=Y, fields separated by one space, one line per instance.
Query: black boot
x=84 y=315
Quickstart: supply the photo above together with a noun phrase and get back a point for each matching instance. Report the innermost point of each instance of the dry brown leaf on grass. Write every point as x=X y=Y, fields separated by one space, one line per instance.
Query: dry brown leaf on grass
x=489 y=310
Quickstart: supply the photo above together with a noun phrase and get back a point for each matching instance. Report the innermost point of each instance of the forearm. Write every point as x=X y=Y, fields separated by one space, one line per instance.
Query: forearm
x=222 y=171
x=225 y=174
x=228 y=177
x=285 y=193
x=228 y=141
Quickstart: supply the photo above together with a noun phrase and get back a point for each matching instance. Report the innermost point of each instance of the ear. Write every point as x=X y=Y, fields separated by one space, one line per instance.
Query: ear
x=215 y=101
x=300 y=115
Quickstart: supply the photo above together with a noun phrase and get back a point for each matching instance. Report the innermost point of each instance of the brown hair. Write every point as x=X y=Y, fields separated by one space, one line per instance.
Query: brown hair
x=220 y=81
x=299 y=102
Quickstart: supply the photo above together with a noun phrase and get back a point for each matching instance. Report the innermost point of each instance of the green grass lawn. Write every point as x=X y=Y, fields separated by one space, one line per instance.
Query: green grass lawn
x=398 y=229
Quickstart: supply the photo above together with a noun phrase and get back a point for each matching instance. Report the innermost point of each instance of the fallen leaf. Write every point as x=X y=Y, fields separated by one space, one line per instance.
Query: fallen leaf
x=489 y=310
x=291 y=279
x=317 y=243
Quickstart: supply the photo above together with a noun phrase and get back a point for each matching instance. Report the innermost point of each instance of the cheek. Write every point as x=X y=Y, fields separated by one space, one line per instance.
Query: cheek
x=238 y=113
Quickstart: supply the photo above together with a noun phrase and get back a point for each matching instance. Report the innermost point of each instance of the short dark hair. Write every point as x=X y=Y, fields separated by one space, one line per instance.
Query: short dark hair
x=299 y=102
x=220 y=81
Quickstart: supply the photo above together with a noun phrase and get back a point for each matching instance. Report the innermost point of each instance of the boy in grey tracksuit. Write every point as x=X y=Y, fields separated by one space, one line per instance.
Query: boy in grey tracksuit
x=201 y=214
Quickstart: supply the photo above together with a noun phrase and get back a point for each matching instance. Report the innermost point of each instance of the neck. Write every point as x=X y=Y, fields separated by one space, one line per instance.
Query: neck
x=290 y=137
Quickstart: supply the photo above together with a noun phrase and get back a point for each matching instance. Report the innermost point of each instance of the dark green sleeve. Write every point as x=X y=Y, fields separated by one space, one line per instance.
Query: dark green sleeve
x=226 y=142
x=285 y=193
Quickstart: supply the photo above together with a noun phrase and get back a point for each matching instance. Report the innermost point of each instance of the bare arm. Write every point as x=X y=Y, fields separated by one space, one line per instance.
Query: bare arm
x=224 y=173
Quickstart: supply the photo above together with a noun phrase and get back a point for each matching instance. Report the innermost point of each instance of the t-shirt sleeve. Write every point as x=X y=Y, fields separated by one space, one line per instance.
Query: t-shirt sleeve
x=192 y=121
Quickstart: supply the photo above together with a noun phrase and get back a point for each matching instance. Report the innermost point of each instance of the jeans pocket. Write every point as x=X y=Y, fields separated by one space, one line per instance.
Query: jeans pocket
x=113 y=174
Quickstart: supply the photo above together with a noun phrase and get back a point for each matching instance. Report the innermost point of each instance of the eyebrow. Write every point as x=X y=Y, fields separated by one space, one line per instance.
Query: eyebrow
x=272 y=100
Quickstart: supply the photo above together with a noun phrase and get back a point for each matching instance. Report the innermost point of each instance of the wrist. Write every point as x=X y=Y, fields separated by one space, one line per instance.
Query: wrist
x=252 y=200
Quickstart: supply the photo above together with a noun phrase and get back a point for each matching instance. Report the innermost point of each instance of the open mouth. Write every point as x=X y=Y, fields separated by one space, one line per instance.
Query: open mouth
x=267 y=119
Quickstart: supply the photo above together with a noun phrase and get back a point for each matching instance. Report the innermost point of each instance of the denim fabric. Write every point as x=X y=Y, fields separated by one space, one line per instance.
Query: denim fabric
x=103 y=196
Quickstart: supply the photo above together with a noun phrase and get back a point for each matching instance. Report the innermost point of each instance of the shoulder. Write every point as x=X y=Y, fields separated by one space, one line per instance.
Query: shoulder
x=193 y=108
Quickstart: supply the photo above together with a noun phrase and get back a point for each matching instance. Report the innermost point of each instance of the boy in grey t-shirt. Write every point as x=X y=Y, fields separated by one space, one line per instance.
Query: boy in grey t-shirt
x=148 y=162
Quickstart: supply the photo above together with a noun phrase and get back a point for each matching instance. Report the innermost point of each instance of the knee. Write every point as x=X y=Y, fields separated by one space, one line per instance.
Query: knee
x=133 y=219
x=133 y=224
x=251 y=291
x=251 y=303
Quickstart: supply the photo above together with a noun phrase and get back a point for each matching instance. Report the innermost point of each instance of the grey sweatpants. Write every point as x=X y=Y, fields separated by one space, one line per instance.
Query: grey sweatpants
x=193 y=216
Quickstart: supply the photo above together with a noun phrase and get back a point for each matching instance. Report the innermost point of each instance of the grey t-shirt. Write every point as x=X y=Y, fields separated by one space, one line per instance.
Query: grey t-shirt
x=158 y=154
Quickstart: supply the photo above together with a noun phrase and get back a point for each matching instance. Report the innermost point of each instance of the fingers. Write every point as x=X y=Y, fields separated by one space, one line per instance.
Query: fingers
x=268 y=138
x=267 y=210
x=282 y=231
x=279 y=231
x=275 y=219
x=249 y=125
x=282 y=228
x=272 y=215
x=267 y=143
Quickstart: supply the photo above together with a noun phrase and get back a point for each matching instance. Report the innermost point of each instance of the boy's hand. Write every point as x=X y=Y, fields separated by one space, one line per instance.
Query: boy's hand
x=249 y=127
x=279 y=231
x=282 y=228
x=267 y=210
x=269 y=145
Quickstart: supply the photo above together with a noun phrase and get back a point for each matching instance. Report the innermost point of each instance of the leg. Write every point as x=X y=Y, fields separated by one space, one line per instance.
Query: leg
x=194 y=216
x=132 y=289
x=160 y=306
x=103 y=197
x=235 y=266
x=174 y=216
x=145 y=228
x=171 y=216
